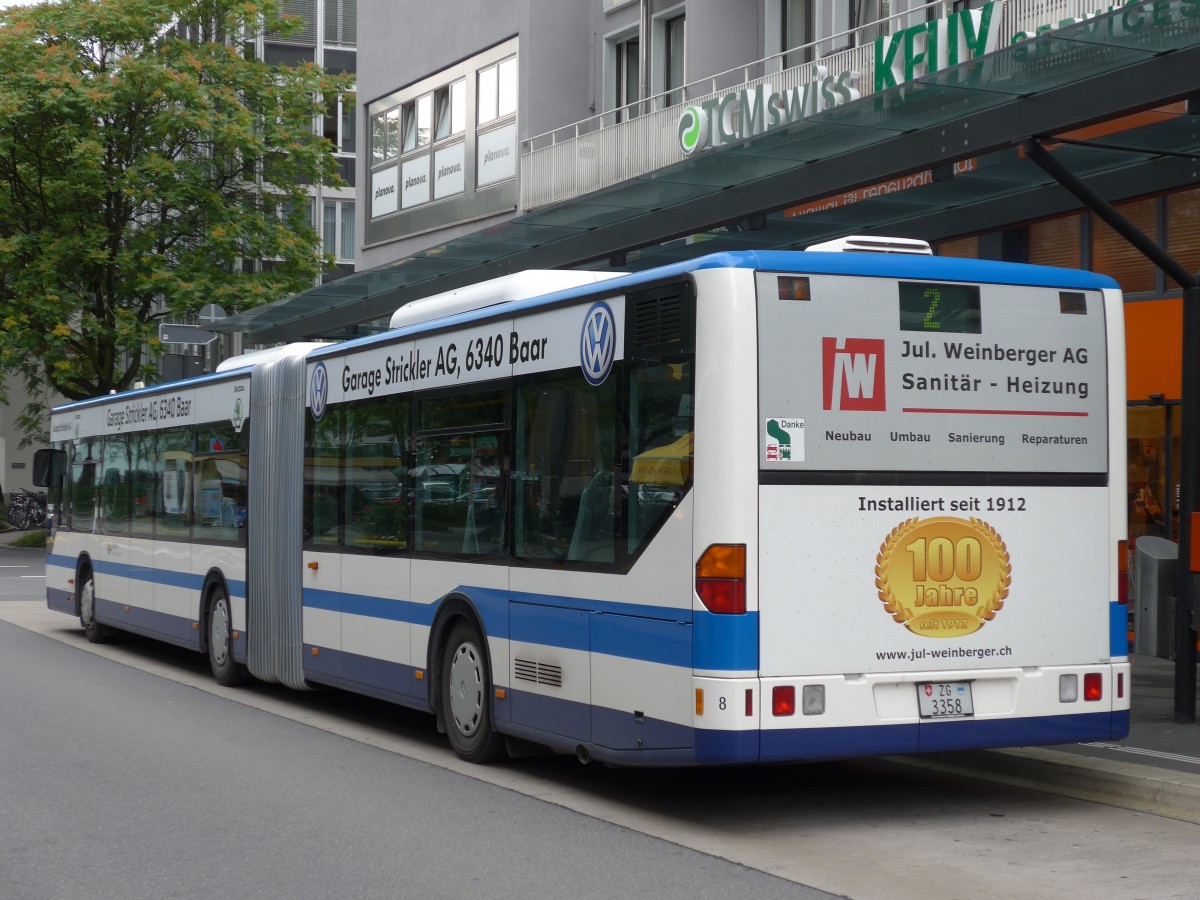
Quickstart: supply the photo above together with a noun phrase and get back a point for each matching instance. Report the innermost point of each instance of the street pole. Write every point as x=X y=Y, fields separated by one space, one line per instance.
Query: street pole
x=1189 y=445
x=1189 y=438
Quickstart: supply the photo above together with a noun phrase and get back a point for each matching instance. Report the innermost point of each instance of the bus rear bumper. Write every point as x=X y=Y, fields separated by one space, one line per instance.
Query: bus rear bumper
x=878 y=714
x=810 y=744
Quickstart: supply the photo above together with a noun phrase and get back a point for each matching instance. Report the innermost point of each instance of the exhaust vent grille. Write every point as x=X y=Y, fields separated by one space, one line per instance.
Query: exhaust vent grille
x=537 y=672
x=658 y=321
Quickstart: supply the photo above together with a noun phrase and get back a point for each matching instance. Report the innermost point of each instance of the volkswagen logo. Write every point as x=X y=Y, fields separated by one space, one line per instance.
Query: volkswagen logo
x=318 y=391
x=598 y=343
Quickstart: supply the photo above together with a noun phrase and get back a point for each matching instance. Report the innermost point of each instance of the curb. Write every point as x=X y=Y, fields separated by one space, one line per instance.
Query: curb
x=1161 y=792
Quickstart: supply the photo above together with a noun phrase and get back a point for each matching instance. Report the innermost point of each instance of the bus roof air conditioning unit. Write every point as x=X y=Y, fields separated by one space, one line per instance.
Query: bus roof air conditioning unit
x=861 y=243
x=518 y=286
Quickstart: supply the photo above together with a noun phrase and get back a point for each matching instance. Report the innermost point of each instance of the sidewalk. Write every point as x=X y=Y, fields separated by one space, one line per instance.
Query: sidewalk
x=1155 y=770
x=7 y=538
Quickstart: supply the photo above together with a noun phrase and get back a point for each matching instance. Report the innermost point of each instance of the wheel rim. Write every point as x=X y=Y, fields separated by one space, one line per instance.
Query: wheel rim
x=466 y=689
x=219 y=631
x=87 y=604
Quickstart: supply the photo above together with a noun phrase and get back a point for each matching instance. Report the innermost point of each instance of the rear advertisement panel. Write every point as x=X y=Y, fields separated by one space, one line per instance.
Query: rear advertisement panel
x=873 y=375
x=899 y=579
x=877 y=374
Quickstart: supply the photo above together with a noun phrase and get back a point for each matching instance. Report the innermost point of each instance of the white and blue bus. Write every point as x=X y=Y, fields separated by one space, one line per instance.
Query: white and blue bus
x=753 y=507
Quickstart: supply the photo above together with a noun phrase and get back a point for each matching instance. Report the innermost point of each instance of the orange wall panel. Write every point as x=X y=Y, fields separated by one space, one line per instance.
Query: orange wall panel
x=1154 y=347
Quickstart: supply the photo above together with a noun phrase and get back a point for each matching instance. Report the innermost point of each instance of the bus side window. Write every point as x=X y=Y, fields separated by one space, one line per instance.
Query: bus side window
x=143 y=451
x=84 y=463
x=460 y=476
x=660 y=435
x=323 y=461
x=114 y=490
x=221 y=483
x=566 y=451
x=376 y=475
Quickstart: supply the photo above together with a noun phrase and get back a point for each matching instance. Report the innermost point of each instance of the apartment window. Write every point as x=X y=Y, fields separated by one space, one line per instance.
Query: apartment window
x=796 y=31
x=385 y=135
x=378 y=139
x=497 y=91
x=338 y=124
x=626 y=73
x=341 y=21
x=673 y=59
x=450 y=104
x=417 y=123
x=337 y=229
x=306 y=12
x=861 y=13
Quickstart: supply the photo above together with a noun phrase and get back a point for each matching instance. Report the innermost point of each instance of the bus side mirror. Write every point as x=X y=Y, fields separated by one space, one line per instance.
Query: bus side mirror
x=48 y=467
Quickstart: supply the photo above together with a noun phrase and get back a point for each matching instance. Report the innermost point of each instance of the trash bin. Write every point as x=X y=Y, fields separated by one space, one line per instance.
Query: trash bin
x=1154 y=593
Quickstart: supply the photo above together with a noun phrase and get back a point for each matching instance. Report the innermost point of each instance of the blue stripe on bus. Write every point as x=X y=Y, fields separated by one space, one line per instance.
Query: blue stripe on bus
x=1118 y=630
x=644 y=610
x=634 y=631
x=165 y=388
x=727 y=643
x=148 y=575
x=363 y=605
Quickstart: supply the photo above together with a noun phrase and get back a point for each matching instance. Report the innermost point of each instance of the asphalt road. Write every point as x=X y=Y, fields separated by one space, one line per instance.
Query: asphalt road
x=125 y=772
x=22 y=574
x=120 y=784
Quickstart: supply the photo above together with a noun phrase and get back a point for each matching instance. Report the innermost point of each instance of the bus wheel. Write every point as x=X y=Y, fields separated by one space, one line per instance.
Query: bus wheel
x=466 y=688
x=220 y=641
x=92 y=630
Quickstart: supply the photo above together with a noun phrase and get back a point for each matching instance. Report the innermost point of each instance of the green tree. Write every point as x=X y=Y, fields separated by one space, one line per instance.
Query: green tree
x=148 y=164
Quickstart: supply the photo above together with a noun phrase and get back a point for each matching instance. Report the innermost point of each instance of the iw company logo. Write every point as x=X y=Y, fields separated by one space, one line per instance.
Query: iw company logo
x=853 y=374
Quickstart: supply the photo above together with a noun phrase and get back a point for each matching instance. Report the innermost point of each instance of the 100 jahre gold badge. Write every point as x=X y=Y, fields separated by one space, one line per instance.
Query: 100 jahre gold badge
x=943 y=577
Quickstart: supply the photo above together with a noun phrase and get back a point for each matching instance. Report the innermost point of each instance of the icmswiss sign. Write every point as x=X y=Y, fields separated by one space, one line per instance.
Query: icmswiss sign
x=899 y=57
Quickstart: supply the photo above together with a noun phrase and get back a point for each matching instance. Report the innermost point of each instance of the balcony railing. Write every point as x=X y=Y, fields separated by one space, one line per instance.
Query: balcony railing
x=642 y=137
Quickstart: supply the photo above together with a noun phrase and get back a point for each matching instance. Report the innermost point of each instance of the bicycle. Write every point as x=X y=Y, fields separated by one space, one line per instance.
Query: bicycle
x=25 y=509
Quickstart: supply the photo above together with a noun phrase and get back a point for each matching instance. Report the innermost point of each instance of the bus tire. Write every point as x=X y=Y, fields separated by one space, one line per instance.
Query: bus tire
x=466 y=691
x=92 y=630
x=225 y=670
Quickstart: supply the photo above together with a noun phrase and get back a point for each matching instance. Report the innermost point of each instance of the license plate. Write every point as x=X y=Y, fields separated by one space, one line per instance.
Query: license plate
x=945 y=700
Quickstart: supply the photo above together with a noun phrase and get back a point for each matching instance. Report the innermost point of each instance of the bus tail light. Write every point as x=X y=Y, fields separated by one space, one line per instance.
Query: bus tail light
x=721 y=578
x=783 y=700
x=1093 y=686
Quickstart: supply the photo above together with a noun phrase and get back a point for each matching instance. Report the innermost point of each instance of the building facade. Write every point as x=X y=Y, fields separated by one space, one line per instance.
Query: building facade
x=493 y=133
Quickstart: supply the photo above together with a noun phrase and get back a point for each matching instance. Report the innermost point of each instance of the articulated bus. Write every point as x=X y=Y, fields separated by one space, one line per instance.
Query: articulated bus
x=753 y=507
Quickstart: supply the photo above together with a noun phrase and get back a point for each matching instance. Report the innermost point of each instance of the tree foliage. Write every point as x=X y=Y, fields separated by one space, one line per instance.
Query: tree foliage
x=148 y=165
